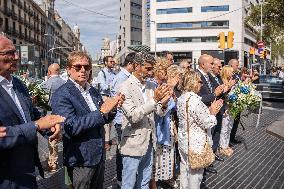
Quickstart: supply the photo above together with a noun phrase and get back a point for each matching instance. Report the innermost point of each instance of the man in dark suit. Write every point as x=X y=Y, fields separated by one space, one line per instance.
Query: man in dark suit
x=217 y=81
x=208 y=92
x=18 y=143
x=234 y=63
x=86 y=114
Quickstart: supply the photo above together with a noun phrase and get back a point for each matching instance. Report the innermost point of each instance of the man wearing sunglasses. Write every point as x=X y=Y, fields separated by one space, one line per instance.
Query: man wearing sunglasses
x=19 y=123
x=86 y=113
x=143 y=99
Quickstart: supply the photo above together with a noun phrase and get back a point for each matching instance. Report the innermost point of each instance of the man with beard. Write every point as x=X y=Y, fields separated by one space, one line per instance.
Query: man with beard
x=142 y=100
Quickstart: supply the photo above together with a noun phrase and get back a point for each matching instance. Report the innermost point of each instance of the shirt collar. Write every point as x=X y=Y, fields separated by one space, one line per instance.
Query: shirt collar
x=4 y=80
x=127 y=73
x=53 y=76
x=81 y=89
x=202 y=72
x=108 y=70
x=137 y=81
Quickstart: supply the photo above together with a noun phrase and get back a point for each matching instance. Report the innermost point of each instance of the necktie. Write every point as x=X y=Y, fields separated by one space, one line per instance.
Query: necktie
x=217 y=80
x=208 y=82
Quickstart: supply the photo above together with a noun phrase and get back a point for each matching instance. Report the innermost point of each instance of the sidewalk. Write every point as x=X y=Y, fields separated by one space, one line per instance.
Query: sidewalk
x=257 y=163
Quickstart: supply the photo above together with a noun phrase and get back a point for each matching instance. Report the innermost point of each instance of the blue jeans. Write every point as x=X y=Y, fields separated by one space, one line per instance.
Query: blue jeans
x=137 y=170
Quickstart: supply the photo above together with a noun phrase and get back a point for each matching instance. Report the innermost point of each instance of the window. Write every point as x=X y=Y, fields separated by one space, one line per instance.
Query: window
x=174 y=10
x=133 y=42
x=136 y=17
x=215 y=8
x=187 y=39
x=133 y=29
x=137 y=6
x=194 y=25
x=164 y=0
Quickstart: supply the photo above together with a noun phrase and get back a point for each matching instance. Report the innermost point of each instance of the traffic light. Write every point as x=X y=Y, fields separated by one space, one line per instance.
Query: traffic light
x=221 y=40
x=230 y=39
x=264 y=54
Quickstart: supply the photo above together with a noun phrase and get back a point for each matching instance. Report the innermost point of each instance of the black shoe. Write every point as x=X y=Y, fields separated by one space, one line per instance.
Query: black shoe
x=218 y=158
x=210 y=170
x=203 y=185
x=235 y=141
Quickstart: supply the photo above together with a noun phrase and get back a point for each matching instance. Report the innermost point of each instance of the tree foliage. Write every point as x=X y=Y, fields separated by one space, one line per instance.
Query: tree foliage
x=273 y=23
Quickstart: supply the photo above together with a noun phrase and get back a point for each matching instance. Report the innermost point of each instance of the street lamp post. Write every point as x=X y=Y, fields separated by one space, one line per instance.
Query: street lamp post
x=155 y=33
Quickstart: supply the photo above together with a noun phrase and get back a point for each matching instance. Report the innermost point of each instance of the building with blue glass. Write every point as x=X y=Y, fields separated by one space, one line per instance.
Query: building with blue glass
x=190 y=28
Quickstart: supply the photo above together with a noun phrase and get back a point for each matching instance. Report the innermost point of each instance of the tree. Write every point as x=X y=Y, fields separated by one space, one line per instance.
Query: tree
x=273 y=24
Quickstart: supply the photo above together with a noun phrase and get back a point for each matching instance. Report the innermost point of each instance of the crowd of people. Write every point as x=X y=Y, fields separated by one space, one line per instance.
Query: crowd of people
x=171 y=121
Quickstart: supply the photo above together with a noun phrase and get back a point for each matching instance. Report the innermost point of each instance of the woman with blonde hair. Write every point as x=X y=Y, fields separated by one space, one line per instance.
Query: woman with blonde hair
x=195 y=121
x=227 y=122
x=163 y=168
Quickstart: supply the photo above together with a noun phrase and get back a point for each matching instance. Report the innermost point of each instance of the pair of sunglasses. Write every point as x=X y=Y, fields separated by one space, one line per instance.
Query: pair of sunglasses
x=78 y=67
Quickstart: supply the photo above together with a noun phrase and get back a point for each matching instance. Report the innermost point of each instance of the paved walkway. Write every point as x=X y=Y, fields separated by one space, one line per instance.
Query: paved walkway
x=258 y=163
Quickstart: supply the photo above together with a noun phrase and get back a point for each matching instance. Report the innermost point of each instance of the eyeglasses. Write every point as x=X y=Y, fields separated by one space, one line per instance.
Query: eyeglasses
x=78 y=67
x=9 y=53
x=149 y=68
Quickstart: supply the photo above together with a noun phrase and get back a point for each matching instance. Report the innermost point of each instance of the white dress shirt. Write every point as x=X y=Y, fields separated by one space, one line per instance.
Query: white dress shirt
x=86 y=95
x=8 y=86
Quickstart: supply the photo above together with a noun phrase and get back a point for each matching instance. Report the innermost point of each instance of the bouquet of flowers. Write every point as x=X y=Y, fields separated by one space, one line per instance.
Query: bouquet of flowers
x=39 y=96
x=243 y=97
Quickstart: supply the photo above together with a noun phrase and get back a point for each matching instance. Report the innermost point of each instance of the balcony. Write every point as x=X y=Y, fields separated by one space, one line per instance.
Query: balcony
x=7 y=11
x=14 y=16
x=8 y=30
x=14 y=1
x=26 y=23
x=20 y=4
x=20 y=19
x=31 y=13
x=21 y=35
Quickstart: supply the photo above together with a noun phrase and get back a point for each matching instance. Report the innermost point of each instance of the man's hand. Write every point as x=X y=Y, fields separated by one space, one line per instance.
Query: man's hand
x=161 y=92
x=2 y=132
x=49 y=121
x=219 y=90
x=111 y=103
x=56 y=133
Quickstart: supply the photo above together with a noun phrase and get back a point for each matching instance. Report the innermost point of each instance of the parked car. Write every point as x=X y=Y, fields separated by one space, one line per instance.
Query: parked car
x=271 y=87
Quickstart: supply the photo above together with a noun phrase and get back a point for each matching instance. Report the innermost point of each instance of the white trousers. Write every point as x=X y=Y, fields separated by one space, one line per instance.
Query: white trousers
x=189 y=178
x=227 y=125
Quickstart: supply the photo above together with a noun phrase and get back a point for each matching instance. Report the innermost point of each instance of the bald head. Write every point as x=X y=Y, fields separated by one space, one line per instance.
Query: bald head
x=53 y=69
x=217 y=66
x=234 y=63
x=205 y=63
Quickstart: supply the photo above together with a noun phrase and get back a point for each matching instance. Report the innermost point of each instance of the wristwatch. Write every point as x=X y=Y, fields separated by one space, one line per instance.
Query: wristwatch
x=37 y=126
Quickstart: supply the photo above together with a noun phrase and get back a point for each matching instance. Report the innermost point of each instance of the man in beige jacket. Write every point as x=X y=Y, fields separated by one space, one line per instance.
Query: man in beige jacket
x=142 y=99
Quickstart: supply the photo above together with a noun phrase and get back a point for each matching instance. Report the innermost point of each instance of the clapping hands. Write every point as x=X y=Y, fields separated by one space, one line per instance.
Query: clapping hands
x=163 y=94
x=216 y=106
x=112 y=102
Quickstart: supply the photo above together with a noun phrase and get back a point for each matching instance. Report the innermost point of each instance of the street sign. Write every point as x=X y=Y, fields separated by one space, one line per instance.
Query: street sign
x=251 y=50
x=260 y=50
x=260 y=44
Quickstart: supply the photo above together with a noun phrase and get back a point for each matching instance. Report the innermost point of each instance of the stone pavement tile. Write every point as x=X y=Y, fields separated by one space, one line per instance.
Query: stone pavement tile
x=257 y=163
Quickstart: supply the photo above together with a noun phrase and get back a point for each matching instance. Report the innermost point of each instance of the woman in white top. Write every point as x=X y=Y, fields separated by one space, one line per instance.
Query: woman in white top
x=199 y=119
x=228 y=121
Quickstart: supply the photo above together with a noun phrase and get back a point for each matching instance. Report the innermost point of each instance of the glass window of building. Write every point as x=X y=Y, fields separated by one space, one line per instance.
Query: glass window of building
x=174 y=10
x=215 y=8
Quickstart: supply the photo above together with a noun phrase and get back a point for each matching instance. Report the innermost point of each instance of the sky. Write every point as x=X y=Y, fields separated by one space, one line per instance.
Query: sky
x=93 y=27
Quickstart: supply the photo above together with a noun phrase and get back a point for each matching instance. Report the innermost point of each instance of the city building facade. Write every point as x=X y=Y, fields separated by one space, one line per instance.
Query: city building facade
x=36 y=29
x=191 y=28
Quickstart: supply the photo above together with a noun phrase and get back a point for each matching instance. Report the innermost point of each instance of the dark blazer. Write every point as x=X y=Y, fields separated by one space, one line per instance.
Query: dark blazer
x=222 y=96
x=83 y=128
x=18 y=149
x=207 y=96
